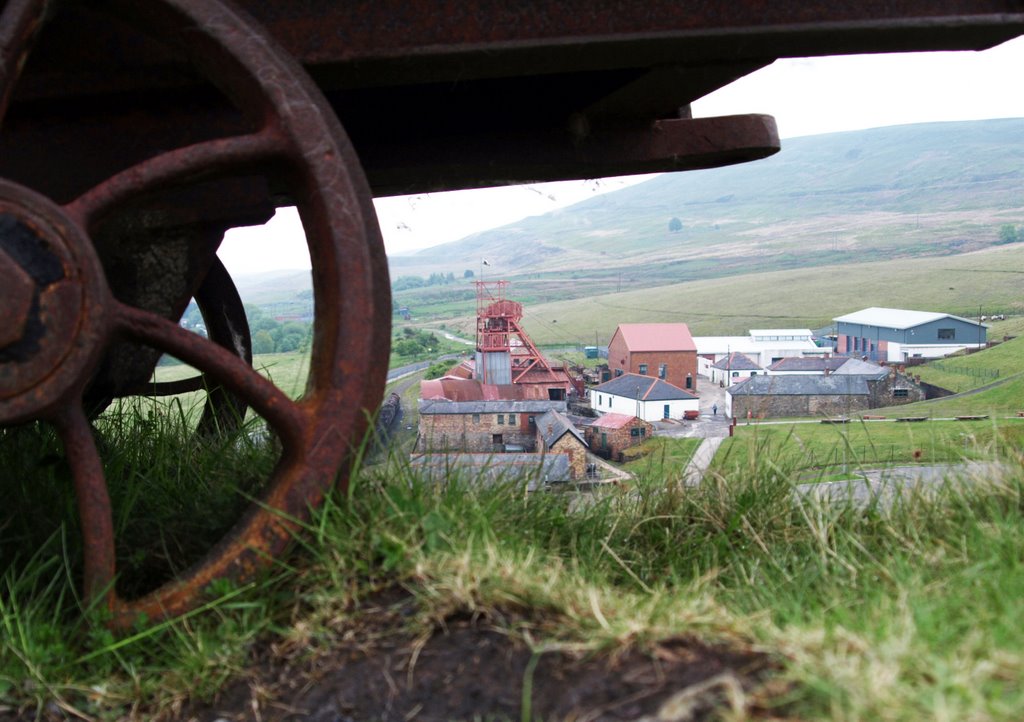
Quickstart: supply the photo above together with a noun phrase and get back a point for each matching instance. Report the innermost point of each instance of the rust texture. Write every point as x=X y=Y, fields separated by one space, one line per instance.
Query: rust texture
x=64 y=318
x=189 y=119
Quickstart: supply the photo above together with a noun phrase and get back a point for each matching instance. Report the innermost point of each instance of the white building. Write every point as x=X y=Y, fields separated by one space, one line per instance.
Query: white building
x=764 y=346
x=645 y=397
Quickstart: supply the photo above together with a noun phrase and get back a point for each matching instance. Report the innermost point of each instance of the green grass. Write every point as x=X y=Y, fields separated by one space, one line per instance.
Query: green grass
x=803 y=447
x=970 y=371
x=906 y=611
x=661 y=460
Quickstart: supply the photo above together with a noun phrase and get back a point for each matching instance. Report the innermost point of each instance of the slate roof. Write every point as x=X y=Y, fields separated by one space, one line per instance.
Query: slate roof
x=737 y=361
x=657 y=336
x=535 y=469
x=808 y=364
x=896 y=318
x=647 y=388
x=857 y=367
x=529 y=406
x=552 y=426
x=802 y=385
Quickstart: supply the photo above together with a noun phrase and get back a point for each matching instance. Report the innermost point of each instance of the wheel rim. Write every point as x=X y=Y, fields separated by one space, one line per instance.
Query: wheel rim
x=351 y=296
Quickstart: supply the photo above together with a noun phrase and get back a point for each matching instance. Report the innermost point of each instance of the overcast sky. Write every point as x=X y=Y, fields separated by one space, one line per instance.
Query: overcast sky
x=807 y=97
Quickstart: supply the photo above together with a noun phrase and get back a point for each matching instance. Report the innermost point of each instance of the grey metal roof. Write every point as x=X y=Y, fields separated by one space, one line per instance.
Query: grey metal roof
x=896 y=318
x=646 y=388
x=531 y=406
x=553 y=426
x=534 y=469
x=803 y=385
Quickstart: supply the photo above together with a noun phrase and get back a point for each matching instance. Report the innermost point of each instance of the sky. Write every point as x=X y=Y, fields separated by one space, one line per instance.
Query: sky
x=807 y=96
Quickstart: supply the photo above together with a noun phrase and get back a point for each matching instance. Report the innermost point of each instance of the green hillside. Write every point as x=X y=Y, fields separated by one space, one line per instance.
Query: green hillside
x=805 y=298
x=905 y=191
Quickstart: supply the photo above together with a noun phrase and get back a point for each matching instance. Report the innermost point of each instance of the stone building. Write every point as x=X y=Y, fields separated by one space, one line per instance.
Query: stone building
x=816 y=395
x=481 y=426
x=556 y=434
x=611 y=434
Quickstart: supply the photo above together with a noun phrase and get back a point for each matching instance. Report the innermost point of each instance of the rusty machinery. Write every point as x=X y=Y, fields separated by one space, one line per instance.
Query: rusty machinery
x=133 y=133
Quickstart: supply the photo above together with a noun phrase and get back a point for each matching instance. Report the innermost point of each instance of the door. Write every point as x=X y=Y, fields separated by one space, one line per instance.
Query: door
x=665 y=414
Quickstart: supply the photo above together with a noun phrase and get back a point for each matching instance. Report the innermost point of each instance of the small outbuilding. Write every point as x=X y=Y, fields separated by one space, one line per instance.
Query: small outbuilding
x=556 y=434
x=734 y=368
x=611 y=434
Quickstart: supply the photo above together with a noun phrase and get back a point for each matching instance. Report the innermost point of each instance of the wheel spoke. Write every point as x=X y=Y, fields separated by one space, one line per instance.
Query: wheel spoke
x=195 y=162
x=283 y=414
x=20 y=21
x=173 y=388
x=93 y=504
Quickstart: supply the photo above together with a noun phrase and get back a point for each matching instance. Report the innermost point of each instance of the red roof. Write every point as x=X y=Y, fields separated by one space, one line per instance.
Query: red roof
x=657 y=336
x=613 y=421
x=457 y=389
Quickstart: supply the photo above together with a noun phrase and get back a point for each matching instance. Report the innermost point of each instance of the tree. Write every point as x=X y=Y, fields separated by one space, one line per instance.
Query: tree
x=262 y=342
x=468 y=273
x=437 y=369
x=1009 y=234
x=675 y=225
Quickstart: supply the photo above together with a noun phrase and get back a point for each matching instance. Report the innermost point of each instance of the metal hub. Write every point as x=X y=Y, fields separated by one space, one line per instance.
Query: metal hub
x=52 y=295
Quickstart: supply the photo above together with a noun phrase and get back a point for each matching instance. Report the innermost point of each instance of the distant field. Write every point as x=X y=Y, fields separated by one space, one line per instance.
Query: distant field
x=803 y=298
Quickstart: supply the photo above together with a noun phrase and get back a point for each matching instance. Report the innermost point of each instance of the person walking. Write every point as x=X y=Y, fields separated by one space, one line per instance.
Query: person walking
x=714 y=409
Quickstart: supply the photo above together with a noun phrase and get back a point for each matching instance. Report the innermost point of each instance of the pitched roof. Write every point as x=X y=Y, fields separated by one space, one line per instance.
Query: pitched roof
x=657 y=336
x=552 y=426
x=611 y=420
x=536 y=469
x=896 y=318
x=808 y=364
x=643 y=388
x=737 y=361
x=802 y=385
x=861 y=368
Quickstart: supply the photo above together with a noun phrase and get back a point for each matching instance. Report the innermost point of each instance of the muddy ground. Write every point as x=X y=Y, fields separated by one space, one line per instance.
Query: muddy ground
x=470 y=668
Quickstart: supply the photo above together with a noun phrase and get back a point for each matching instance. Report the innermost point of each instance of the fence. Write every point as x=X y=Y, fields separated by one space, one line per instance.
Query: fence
x=978 y=373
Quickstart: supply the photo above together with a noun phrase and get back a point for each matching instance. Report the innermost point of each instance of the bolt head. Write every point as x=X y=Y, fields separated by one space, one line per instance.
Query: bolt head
x=16 y=294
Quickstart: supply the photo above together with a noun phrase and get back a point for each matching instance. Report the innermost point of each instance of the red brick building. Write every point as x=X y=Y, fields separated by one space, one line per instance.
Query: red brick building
x=663 y=350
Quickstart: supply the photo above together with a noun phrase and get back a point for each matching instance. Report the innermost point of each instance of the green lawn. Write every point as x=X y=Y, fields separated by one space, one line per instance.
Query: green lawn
x=661 y=460
x=971 y=371
x=802 y=447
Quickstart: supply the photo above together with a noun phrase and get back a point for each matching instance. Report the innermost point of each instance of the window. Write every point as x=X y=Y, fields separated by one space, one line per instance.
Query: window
x=533 y=420
x=476 y=418
x=634 y=432
x=501 y=419
x=735 y=374
x=511 y=419
x=901 y=393
x=662 y=370
x=643 y=369
x=618 y=372
x=689 y=381
x=947 y=334
x=856 y=343
x=496 y=439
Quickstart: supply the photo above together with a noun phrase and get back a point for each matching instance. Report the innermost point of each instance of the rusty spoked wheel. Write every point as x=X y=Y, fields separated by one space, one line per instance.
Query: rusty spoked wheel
x=58 y=316
x=227 y=326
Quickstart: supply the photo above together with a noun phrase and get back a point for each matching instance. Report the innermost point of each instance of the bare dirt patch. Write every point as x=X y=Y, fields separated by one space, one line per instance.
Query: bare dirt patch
x=474 y=669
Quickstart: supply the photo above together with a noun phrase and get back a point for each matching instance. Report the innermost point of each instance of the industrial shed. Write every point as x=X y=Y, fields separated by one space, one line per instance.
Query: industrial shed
x=897 y=335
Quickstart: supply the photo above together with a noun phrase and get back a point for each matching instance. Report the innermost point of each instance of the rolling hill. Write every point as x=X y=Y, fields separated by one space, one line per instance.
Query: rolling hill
x=907 y=191
x=902 y=216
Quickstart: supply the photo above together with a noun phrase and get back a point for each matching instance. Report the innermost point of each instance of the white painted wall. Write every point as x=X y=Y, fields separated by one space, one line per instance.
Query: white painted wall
x=898 y=352
x=604 y=403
